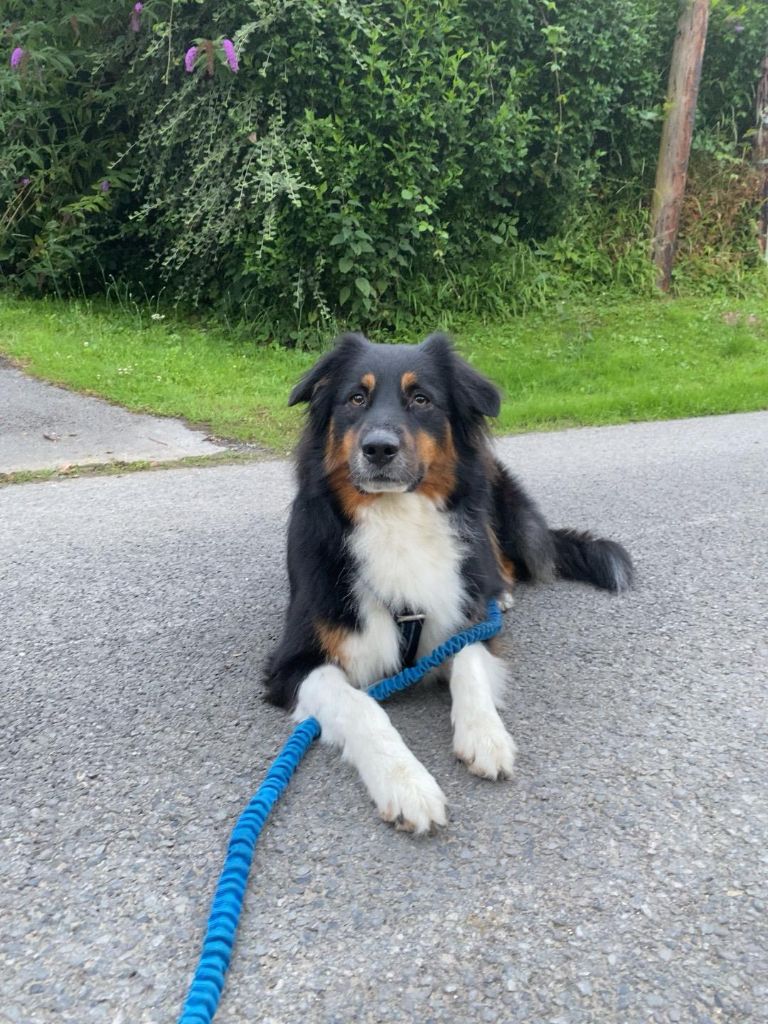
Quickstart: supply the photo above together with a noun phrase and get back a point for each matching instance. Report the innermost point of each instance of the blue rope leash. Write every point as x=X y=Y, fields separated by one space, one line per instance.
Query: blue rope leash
x=208 y=983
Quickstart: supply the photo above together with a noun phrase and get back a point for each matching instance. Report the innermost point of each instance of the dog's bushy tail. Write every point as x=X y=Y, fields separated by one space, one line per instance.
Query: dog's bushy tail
x=539 y=553
x=603 y=563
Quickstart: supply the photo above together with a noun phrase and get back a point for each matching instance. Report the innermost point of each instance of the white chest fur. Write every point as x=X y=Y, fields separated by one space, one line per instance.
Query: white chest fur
x=408 y=556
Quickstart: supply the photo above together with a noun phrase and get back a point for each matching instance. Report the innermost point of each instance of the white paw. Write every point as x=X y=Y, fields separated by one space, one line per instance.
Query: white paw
x=506 y=601
x=485 y=746
x=409 y=797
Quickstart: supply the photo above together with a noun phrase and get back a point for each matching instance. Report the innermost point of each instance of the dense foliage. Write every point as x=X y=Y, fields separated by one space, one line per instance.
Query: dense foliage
x=298 y=159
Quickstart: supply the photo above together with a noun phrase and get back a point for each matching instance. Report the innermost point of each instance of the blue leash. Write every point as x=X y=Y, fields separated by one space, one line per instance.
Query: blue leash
x=208 y=983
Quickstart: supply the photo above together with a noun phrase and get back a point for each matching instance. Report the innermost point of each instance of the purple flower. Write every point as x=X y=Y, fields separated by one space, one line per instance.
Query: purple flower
x=229 y=50
x=138 y=8
x=189 y=59
x=24 y=182
x=16 y=57
x=104 y=185
x=136 y=17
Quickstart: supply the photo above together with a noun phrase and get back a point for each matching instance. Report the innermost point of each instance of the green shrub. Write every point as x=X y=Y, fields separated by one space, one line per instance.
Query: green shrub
x=364 y=157
x=55 y=181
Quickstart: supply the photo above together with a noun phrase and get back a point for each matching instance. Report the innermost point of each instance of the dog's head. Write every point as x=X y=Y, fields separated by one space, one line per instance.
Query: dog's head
x=390 y=415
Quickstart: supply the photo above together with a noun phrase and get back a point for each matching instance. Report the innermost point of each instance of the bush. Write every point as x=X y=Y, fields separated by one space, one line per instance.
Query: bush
x=362 y=154
x=55 y=181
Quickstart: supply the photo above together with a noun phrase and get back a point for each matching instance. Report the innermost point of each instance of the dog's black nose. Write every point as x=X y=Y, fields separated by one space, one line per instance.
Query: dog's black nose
x=380 y=446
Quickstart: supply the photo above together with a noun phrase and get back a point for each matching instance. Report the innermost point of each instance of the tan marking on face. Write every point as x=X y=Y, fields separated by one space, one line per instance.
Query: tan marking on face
x=408 y=380
x=332 y=640
x=438 y=458
x=368 y=381
x=337 y=455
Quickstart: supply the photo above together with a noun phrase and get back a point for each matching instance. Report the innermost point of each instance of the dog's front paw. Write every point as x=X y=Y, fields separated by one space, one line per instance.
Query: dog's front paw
x=409 y=798
x=484 y=745
x=506 y=601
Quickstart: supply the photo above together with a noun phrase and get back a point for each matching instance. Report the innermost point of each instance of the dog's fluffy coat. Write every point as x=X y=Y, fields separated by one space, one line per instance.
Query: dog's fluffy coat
x=403 y=508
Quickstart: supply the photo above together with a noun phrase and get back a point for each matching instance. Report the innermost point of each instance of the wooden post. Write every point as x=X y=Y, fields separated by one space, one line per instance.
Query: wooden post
x=672 y=169
x=760 y=153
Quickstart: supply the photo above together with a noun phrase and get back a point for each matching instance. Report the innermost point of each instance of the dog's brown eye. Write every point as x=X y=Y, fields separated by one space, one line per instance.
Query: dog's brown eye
x=357 y=399
x=421 y=400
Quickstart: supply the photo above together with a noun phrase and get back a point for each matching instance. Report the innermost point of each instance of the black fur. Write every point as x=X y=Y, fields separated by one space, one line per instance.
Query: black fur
x=539 y=553
x=521 y=530
x=320 y=574
x=604 y=563
x=485 y=499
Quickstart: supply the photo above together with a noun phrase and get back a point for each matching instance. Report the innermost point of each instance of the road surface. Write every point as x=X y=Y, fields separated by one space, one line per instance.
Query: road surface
x=620 y=878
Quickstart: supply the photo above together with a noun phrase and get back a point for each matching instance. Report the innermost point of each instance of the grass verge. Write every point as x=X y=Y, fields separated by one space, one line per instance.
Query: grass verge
x=617 y=362
x=33 y=476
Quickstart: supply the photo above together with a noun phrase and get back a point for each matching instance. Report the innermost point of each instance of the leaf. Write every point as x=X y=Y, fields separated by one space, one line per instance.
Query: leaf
x=363 y=285
x=344 y=294
x=345 y=264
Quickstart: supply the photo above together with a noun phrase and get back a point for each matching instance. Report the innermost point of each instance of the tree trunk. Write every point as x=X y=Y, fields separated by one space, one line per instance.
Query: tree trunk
x=672 y=169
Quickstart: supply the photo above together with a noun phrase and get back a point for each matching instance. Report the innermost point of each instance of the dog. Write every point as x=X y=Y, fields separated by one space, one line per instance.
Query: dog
x=404 y=515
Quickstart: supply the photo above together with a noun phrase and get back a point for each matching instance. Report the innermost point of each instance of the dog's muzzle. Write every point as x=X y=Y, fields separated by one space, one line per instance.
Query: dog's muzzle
x=382 y=463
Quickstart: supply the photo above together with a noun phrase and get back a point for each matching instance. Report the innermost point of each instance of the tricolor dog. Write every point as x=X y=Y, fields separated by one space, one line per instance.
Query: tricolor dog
x=404 y=516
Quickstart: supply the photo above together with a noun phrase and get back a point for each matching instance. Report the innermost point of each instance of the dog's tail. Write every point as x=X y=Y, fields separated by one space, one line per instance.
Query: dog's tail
x=603 y=563
x=538 y=553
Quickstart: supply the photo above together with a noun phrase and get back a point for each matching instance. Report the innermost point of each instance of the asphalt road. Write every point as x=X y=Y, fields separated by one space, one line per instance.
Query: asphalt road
x=45 y=427
x=620 y=877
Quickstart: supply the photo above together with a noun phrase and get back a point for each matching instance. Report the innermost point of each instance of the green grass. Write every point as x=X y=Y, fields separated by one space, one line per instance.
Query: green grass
x=615 y=362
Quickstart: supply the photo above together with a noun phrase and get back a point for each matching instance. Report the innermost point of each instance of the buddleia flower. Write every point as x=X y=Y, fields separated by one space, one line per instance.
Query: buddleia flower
x=16 y=57
x=189 y=59
x=229 y=50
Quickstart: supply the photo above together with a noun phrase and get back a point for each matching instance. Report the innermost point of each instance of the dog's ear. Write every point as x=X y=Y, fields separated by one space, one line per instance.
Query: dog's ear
x=475 y=391
x=321 y=373
x=473 y=394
